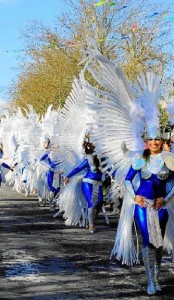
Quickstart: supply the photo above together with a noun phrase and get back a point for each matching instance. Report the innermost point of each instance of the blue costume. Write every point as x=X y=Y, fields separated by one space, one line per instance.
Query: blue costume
x=92 y=178
x=151 y=188
x=152 y=179
x=3 y=165
x=53 y=182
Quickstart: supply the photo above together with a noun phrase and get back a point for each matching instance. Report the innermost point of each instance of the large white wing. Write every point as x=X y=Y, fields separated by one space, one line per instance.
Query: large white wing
x=113 y=103
x=75 y=123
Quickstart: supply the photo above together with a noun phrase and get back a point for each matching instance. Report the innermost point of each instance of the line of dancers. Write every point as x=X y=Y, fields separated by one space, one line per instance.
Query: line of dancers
x=113 y=131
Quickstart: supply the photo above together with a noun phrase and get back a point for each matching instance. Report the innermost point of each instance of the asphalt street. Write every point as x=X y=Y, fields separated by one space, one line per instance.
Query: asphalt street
x=42 y=259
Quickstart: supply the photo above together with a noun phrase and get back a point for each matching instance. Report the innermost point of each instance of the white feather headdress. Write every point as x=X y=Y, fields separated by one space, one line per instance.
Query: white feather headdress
x=147 y=98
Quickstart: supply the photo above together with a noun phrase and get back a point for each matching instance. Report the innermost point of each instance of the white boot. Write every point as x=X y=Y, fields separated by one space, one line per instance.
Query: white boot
x=41 y=201
x=91 y=219
x=51 y=198
x=159 y=255
x=149 y=263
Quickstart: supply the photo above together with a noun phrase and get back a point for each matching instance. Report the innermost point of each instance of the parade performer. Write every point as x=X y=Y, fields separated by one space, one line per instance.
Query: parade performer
x=3 y=165
x=53 y=176
x=91 y=182
x=146 y=175
x=21 y=134
x=149 y=209
x=78 y=198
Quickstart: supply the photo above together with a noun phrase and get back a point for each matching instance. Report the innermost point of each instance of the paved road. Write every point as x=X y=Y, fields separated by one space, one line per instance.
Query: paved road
x=42 y=259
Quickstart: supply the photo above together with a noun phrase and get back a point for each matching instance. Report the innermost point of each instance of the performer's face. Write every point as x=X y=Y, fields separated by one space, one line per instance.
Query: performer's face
x=167 y=147
x=154 y=145
x=1 y=147
x=46 y=145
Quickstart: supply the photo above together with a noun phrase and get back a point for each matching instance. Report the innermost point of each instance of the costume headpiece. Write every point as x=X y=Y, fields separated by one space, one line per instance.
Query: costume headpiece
x=147 y=97
x=46 y=139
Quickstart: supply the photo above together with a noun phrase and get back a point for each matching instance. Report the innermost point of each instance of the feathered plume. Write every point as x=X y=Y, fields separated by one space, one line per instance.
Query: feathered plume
x=147 y=93
x=170 y=109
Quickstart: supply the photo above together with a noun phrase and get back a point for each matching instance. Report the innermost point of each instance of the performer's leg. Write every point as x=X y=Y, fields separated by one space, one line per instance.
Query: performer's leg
x=98 y=206
x=163 y=218
x=51 y=188
x=151 y=256
x=141 y=221
x=50 y=180
x=41 y=187
x=148 y=251
x=100 y=197
x=87 y=189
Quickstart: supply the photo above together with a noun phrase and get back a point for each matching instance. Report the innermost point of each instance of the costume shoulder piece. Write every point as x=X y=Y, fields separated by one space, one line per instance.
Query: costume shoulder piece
x=155 y=163
x=168 y=158
x=137 y=161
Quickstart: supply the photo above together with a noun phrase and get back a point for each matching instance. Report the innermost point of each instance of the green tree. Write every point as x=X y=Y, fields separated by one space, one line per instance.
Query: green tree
x=121 y=31
x=47 y=77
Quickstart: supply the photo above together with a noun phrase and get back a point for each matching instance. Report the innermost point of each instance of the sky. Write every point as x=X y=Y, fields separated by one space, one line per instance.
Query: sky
x=15 y=15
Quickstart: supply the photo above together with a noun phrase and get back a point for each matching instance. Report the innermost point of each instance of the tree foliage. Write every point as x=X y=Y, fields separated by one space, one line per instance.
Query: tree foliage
x=47 y=78
x=122 y=32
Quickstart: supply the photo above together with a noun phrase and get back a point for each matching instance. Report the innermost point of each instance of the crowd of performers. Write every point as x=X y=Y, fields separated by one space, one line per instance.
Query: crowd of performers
x=100 y=135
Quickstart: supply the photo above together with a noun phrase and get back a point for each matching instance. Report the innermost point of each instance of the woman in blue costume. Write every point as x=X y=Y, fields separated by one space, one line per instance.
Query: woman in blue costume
x=92 y=180
x=53 y=181
x=2 y=164
x=148 y=188
x=150 y=184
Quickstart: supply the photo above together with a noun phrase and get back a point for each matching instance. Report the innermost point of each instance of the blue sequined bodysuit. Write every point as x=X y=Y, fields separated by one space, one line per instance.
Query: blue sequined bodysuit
x=151 y=186
x=92 y=178
x=54 y=185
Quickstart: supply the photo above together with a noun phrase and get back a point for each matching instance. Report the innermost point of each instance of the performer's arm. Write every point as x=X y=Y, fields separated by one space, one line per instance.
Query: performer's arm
x=82 y=166
x=128 y=181
x=45 y=159
x=140 y=200
x=7 y=166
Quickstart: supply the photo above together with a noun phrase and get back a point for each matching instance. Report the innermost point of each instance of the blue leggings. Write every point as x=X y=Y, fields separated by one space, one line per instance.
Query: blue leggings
x=87 y=189
x=141 y=221
x=50 y=176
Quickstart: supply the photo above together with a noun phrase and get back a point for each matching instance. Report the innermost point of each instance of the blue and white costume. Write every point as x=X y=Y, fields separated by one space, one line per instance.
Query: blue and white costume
x=150 y=179
x=92 y=180
x=91 y=186
x=53 y=176
x=127 y=114
x=54 y=181
x=83 y=194
x=155 y=181
x=2 y=165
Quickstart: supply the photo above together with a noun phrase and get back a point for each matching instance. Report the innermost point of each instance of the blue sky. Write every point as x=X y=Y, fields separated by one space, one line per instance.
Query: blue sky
x=14 y=16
